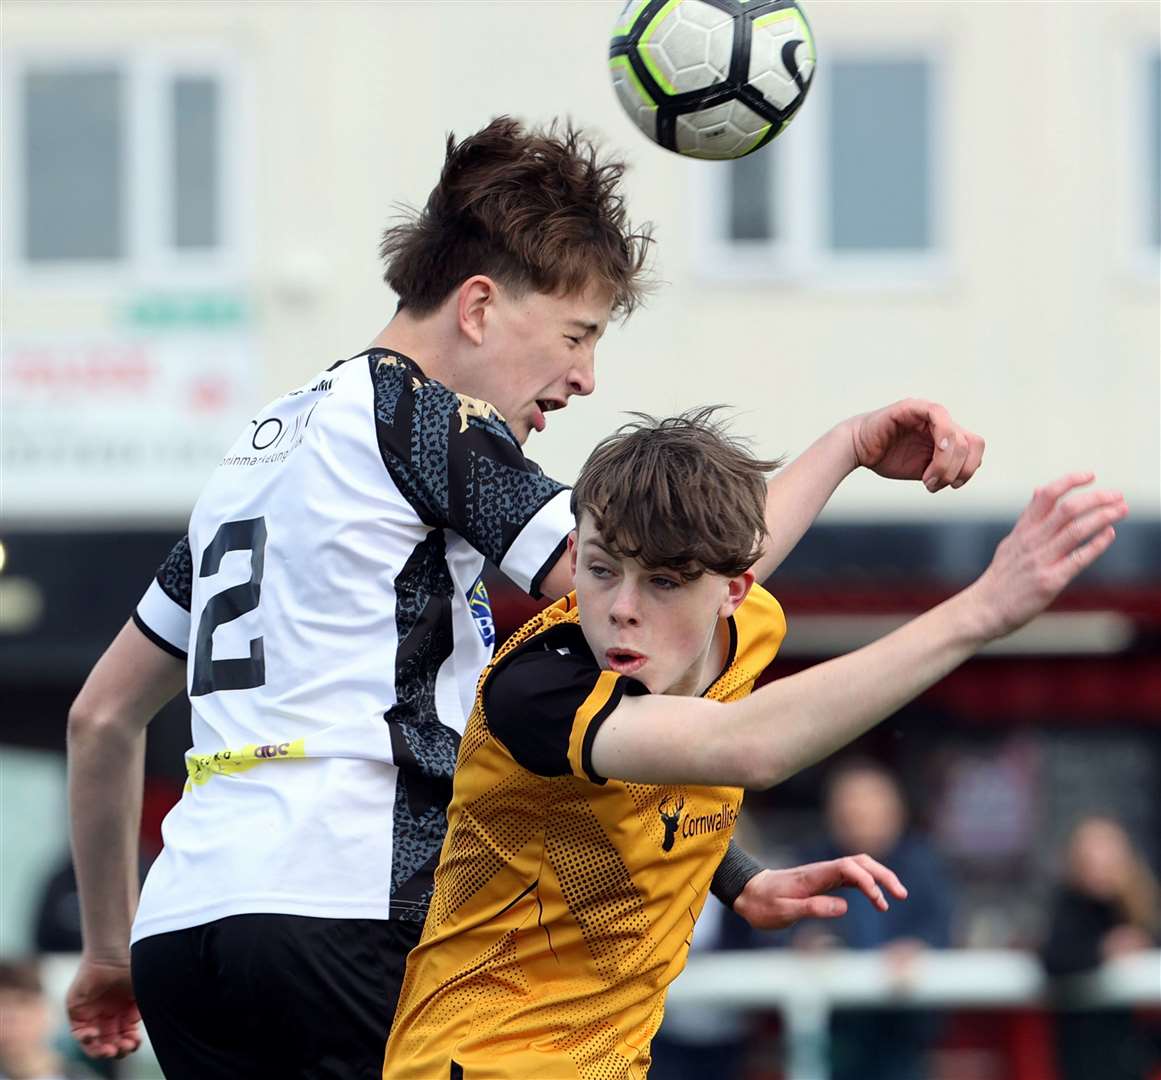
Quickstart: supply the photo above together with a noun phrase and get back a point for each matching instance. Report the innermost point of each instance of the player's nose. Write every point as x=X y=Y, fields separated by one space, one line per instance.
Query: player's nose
x=582 y=379
x=624 y=611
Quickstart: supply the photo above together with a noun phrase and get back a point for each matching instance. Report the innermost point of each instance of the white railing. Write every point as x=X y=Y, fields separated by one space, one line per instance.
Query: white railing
x=805 y=987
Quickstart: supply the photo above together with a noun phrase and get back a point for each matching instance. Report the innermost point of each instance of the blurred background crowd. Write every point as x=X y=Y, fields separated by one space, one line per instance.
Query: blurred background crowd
x=968 y=208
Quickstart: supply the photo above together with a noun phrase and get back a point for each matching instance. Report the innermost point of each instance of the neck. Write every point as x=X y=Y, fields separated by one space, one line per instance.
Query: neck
x=703 y=674
x=422 y=340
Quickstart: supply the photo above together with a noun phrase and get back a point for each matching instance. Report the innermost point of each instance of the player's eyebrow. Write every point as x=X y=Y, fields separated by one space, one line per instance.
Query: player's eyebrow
x=594 y=541
x=588 y=327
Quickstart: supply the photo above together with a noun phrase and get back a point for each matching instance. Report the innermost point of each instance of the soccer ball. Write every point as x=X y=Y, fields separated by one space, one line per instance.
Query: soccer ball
x=711 y=78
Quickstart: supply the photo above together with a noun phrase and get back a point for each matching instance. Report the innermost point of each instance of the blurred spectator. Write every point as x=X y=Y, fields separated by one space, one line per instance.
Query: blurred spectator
x=699 y=1041
x=26 y=1049
x=1107 y=906
x=58 y=912
x=866 y=813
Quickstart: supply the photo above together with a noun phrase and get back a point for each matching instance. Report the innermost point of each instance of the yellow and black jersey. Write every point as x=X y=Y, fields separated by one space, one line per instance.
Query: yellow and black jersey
x=564 y=902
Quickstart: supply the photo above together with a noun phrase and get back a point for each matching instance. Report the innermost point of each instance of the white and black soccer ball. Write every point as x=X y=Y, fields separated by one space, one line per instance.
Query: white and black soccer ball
x=712 y=78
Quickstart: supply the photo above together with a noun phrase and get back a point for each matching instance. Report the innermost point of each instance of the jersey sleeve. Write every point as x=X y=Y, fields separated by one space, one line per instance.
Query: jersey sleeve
x=459 y=466
x=162 y=614
x=547 y=707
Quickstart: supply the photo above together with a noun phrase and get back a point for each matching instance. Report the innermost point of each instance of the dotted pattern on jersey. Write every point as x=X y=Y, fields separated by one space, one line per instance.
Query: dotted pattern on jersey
x=175 y=575
x=423 y=748
x=647 y=799
x=474 y=738
x=483 y=985
x=593 y=1048
x=594 y=880
x=734 y=685
x=491 y=831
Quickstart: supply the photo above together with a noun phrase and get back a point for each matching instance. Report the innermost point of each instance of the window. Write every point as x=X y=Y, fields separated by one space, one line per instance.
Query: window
x=124 y=164
x=1153 y=150
x=74 y=164
x=851 y=187
x=878 y=180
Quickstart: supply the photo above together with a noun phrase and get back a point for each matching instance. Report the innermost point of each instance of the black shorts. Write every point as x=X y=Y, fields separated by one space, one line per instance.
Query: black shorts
x=252 y=997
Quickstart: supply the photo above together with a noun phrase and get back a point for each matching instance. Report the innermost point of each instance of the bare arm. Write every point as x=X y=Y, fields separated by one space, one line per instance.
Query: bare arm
x=106 y=753
x=796 y=721
x=909 y=440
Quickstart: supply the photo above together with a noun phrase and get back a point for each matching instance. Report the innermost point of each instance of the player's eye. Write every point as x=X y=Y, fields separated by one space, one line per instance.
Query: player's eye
x=599 y=571
x=574 y=340
x=666 y=583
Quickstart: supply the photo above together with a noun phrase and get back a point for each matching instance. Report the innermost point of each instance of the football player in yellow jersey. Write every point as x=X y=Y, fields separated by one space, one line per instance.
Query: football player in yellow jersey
x=602 y=769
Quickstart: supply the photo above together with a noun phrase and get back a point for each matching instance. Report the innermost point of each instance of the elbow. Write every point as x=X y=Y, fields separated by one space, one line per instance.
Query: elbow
x=84 y=720
x=756 y=767
x=91 y=720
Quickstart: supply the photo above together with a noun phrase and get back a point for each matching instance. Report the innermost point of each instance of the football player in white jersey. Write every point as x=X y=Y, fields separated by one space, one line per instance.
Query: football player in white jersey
x=327 y=618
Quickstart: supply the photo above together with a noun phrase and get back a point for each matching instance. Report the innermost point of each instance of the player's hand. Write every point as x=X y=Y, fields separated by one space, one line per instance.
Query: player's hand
x=103 y=1015
x=916 y=440
x=1054 y=539
x=775 y=899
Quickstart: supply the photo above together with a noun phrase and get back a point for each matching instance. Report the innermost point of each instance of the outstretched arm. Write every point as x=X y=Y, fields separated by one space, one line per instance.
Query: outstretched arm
x=106 y=751
x=912 y=439
x=798 y=720
x=775 y=899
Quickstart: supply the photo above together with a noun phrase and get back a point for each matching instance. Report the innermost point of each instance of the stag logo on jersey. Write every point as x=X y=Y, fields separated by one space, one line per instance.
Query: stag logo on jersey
x=482 y=410
x=670 y=810
x=480 y=605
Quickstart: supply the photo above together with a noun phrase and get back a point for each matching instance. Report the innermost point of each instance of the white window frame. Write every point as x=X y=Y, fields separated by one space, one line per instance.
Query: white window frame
x=1144 y=260
x=151 y=260
x=801 y=254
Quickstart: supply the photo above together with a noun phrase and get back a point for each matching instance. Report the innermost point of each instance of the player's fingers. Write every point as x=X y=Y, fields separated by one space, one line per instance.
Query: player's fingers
x=956 y=459
x=83 y=1033
x=1083 y=557
x=943 y=442
x=127 y=1045
x=857 y=876
x=885 y=876
x=975 y=456
x=1082 y=522
x=819 y=907
x=1044 y=499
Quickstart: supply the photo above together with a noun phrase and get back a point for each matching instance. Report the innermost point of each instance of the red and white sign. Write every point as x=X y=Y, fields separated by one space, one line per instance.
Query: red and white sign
x=120 y=427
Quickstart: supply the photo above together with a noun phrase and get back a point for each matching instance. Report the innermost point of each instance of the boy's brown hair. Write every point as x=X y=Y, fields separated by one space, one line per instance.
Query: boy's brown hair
x=680 y=493
x=536 y=210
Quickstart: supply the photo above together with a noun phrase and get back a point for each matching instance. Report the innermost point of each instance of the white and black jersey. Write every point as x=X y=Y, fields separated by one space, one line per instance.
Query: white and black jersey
x=330 y=603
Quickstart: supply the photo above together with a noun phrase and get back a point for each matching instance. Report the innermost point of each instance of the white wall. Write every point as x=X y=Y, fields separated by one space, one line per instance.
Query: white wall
x=1043 y=334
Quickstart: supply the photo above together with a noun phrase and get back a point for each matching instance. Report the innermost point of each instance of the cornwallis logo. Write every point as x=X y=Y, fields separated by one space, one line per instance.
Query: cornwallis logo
x=670 y=810
x=481 y=608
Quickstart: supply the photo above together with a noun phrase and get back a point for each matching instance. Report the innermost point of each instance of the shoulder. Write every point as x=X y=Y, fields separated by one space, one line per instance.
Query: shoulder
x=761 y=626
x=547 y=671
x=545 y=700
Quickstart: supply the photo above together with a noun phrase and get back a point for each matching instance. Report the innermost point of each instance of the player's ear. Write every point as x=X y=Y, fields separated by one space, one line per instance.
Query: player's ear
x=473 y=299
x=572 y=553
x=737 y=589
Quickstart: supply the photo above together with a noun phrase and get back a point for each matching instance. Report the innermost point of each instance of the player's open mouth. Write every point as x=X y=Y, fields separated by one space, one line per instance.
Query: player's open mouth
x=625 y=661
